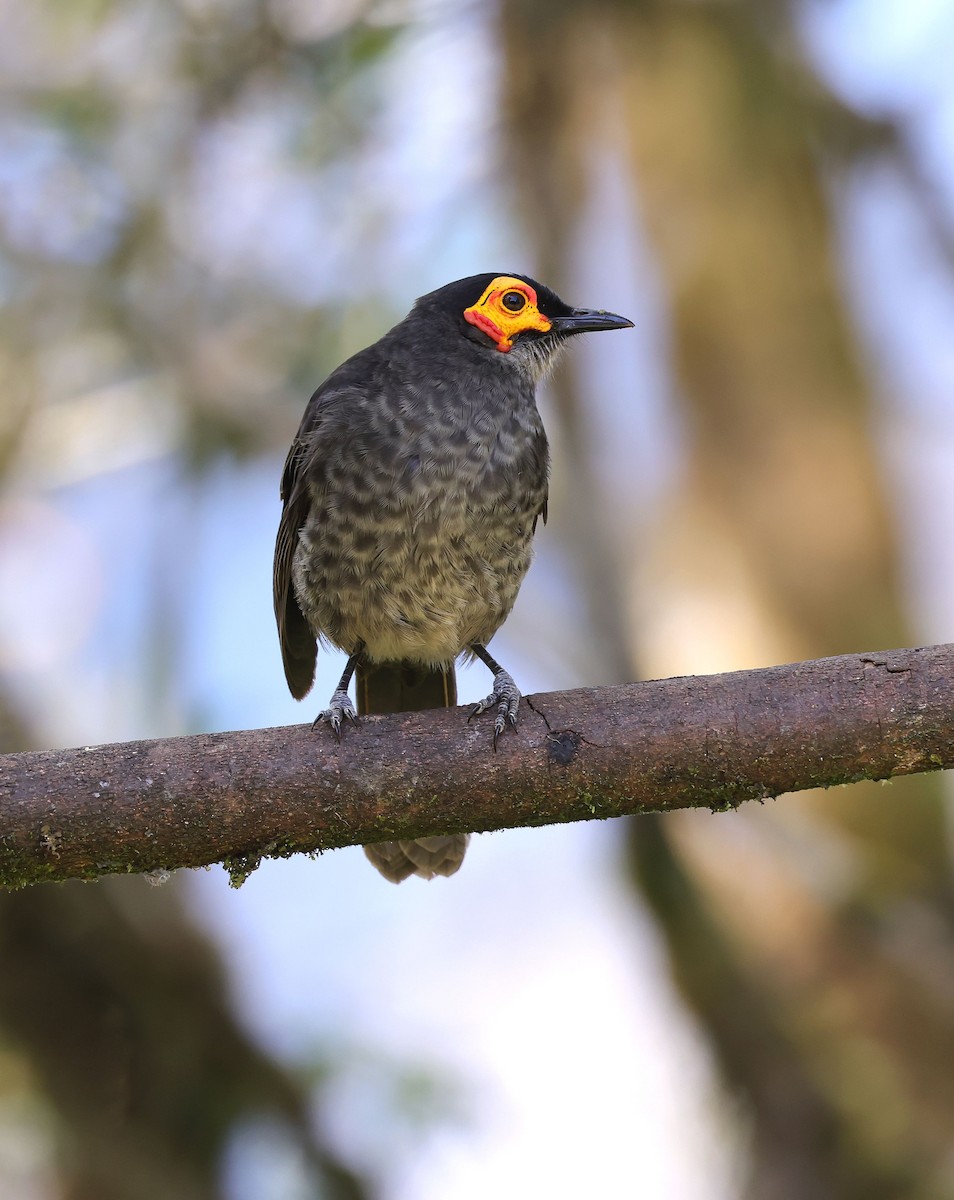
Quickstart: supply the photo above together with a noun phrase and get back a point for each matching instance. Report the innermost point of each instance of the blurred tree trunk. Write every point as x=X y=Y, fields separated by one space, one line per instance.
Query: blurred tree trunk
x=830 y=1011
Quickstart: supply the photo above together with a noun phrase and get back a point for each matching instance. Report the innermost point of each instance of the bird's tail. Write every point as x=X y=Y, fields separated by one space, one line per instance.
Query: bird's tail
x=404 y=687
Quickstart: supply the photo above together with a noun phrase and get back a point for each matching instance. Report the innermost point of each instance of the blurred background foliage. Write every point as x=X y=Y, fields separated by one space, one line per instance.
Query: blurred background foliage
x=204 y=206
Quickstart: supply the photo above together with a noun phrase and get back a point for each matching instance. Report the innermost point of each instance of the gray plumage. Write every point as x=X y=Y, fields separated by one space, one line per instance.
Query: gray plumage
x=411 y=495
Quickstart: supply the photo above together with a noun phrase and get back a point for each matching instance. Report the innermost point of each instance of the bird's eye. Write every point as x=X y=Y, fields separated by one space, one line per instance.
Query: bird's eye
x=514 y=301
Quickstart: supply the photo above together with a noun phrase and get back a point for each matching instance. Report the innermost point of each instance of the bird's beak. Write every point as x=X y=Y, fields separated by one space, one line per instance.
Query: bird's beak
x=589 y=320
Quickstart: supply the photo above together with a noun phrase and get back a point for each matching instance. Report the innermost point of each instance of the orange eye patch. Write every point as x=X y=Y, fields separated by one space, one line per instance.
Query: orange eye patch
x=507 y=308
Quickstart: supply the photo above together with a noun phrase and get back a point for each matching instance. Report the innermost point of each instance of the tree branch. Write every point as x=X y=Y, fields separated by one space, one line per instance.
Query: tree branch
x=699 y=741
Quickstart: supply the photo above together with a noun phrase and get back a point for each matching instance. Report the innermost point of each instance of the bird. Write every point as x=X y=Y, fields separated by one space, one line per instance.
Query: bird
x=410 y=497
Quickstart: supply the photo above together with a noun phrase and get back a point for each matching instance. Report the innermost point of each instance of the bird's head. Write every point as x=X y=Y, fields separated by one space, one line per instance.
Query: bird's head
x=515 y=315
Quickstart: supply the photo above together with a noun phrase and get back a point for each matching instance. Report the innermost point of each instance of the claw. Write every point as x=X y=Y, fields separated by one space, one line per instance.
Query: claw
x=505 y=697
x=339 y=708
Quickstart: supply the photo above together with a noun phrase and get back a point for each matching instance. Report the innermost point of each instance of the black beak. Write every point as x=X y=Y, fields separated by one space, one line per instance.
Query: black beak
x=588 y=320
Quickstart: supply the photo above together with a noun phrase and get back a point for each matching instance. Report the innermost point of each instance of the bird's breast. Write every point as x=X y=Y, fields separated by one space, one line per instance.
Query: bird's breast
x=419 y=531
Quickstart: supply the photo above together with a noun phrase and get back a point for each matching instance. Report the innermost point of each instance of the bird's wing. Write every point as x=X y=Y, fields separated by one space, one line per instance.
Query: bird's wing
x=333 y=400
x=299 y=648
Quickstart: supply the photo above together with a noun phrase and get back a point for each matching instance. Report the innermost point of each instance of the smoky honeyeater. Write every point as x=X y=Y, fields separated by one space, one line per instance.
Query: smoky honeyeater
x=411 y=494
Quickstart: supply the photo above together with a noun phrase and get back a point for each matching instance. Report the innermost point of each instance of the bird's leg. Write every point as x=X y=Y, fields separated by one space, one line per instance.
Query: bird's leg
x=505 y=695
x=340 y=705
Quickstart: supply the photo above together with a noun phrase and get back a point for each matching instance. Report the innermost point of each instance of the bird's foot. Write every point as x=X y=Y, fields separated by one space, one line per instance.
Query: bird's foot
x=506 y=698
x=339 y=708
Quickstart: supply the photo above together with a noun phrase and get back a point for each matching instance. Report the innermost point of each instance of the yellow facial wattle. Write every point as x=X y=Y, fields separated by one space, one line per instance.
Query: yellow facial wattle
x=507 y=307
